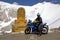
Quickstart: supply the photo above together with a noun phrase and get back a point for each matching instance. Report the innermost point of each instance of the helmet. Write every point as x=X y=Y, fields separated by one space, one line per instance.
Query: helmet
x=38 y=14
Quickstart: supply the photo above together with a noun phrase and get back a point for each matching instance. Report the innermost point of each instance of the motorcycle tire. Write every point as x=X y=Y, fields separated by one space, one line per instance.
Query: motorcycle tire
x=45 y=29
x=27 y=31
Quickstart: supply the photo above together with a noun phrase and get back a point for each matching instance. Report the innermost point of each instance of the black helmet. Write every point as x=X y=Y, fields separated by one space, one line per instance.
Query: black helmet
x=38 y=14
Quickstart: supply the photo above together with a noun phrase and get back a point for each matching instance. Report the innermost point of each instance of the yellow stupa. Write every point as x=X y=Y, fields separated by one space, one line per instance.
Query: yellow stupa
x=21 y=22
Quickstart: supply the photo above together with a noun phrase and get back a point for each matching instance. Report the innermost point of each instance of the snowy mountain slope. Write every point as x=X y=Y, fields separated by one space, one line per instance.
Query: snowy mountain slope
x=48 y=11
x=9 y=15
x=51 y=13
x=55 y=24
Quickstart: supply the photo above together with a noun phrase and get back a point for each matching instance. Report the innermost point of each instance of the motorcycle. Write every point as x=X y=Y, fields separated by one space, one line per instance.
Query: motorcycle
x=33 y=27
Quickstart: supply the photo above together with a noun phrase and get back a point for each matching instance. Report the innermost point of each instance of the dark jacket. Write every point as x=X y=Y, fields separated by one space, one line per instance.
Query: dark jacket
x=39 y=19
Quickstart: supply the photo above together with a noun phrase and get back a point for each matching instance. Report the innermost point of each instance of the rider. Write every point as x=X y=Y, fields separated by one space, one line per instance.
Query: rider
x=39 y=20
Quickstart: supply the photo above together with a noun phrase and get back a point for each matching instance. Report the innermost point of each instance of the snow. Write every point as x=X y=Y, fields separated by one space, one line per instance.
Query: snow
x=49 y=12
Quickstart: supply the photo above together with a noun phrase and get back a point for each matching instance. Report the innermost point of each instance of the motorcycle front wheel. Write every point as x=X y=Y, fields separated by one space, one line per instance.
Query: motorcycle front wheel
x=27 y=30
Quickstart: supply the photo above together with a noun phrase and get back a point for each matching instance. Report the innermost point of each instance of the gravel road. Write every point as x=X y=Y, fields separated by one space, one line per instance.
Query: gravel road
x=22 y=36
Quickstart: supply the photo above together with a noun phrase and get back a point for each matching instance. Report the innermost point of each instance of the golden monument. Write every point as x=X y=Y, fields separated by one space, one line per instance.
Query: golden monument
x=20 y=23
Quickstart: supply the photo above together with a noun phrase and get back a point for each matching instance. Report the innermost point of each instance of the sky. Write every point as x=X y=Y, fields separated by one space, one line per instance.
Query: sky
x=30 y=2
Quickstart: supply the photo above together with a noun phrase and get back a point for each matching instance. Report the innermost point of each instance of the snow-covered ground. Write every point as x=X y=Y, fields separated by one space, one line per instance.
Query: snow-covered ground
x=49 y=12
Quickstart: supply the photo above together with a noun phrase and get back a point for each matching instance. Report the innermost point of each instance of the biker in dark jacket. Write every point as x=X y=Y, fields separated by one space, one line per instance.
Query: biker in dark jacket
x=39 y=21
x=39 y=18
